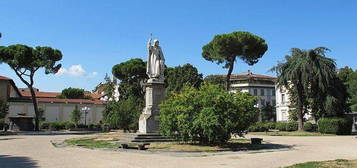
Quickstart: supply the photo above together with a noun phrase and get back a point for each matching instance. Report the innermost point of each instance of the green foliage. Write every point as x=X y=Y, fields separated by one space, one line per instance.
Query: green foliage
x=70 y=125
x=132 y=70
x=2 y=123
x=226 y=48
x=281 y=126
x=179 y=76
x=309 y=127
x=55 y=125
x=349 y=78
x=25 y=61
x=208 y=115
x=76 y=116
x=124 y=114
x=4 y=109
x=308 y=75
x=215 y=80
x=271 y=125
x=131 y=74
x=339 y=126
x=94 y=126
x=258 y=127
x=73 y=93
x=268 y=112
x=292 y=126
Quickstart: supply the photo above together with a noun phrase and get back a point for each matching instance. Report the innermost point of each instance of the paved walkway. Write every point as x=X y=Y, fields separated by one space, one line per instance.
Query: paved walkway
x=37 y=151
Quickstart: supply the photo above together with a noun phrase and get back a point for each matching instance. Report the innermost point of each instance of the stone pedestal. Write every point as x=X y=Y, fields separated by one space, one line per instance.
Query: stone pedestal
x=155 y=94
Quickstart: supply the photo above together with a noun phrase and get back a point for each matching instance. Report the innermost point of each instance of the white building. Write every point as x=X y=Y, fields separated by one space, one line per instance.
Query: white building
x=256 y=85
x=282 y=104
x=55 y=109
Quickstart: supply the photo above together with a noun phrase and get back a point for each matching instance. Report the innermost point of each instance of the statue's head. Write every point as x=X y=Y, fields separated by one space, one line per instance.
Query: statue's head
x=156 y=43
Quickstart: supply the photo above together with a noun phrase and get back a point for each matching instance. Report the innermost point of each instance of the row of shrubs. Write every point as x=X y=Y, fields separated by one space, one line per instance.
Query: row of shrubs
x=61 y=125
x=2 y=124
x=265 y=126
x=339 y=126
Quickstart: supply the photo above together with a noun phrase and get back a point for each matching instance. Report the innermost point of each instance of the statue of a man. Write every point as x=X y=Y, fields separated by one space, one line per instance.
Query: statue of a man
x=156 y=61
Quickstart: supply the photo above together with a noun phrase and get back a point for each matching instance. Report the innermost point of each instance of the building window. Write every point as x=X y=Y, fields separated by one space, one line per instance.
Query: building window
x=282 y=98
x=255 y=92
x=273 y=92
x=262 y=92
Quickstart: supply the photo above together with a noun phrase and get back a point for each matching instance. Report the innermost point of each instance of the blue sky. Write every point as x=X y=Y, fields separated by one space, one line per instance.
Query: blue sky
x=95 y=35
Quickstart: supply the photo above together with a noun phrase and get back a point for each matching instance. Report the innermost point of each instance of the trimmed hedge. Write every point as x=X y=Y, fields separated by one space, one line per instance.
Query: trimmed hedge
x=281 y=126
x=258 y=127
x=338 y=126
x=55 y=126
x=261 y=126
x=2 y=124
x=292 y=126
x=309 y=127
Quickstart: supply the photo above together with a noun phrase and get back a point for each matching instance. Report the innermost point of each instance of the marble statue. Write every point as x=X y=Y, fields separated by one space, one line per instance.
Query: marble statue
x=156 y=61
x=154 y=89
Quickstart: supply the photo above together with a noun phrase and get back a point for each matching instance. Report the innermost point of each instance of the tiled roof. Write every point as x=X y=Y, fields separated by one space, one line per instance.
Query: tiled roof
x=41 y=94
x=12 y=83
x=54 y=94
x=246 y=76
x=4 y=78
x=76 y=101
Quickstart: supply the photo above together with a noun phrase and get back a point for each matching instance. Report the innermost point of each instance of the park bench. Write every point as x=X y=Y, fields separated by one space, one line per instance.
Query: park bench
x=141 y=146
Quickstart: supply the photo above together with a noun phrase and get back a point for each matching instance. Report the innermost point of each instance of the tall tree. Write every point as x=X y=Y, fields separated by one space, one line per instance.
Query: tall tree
x=4 y=109
x=76 y=116
x=73 y=93
x=215 y=80
x=131 y=74
x=25 y=61
x=179 y=76
x=124 y=113
x=309 y=74
x=226 y=48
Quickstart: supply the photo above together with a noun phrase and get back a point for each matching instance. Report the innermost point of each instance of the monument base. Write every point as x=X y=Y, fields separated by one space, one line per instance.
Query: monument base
x=155 y=94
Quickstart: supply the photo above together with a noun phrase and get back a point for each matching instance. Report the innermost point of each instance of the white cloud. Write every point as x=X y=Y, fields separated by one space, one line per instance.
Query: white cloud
x=75 y=71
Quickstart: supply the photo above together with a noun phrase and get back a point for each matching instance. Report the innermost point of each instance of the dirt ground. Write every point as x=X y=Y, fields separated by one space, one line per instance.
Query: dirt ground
x=37 y=151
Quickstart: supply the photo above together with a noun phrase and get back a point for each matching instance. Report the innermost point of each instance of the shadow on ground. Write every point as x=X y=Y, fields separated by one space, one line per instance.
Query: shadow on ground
x=7 y=161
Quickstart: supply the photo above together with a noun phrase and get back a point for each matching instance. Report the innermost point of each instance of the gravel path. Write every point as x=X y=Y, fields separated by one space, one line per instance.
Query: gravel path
x=37 y=151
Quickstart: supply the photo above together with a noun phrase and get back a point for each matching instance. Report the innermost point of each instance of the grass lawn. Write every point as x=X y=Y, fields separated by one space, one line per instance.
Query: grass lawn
x=293 y=133
x=339 y=163
x=232 y=145
x=111 y=141
x=91 y=143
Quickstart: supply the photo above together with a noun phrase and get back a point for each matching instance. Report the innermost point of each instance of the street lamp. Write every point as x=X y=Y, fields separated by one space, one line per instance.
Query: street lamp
x=260 y=111
x=86 y=110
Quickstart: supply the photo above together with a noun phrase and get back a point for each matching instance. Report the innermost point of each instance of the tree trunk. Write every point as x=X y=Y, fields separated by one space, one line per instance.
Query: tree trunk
x=230 y=70
x=34 y=101
x=301 y=118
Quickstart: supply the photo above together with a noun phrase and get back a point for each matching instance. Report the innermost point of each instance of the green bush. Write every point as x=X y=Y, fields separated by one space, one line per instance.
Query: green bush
x=338 y=126
x=309 y=127
x=94 y=126
x=270 y=125
x=208 y=115
x=281 y=126
x=262 y=126
x=45 y=125
x=2 y=124
x=292 y=126
x=55 y=125
x=258 y=127
x=70 y=125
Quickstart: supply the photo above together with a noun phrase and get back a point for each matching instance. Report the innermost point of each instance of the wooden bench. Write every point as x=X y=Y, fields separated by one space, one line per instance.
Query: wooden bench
x=256 y=141
x=141 y=146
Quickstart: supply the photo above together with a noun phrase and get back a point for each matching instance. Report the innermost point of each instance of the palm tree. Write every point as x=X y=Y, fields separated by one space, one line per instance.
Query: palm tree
x=308 y=73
